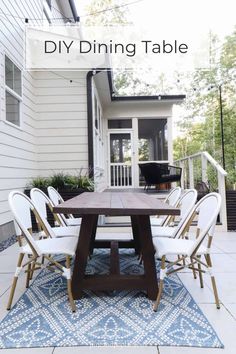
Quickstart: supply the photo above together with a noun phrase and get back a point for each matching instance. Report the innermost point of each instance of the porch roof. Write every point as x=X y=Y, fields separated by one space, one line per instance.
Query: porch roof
x=105 y=86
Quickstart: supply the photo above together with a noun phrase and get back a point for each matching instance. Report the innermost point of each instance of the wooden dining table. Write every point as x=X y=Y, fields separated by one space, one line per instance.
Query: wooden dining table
x=139 y=206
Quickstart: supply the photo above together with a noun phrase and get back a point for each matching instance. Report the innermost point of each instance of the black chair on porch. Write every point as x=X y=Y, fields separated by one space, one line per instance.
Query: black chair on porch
x=157 y=173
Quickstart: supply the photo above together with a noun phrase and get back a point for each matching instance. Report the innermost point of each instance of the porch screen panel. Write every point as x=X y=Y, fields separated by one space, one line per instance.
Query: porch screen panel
x=152 y=141
x=152 y=138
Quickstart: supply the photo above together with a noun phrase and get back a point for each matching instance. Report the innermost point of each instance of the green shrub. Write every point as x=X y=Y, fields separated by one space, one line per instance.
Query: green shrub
x=39 y=182
x=85 y=182
x=62 y=180
x=59 y=180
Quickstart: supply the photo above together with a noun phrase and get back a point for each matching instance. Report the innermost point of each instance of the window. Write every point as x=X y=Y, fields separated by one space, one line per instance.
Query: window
x=13 y=89
x=97 y=117
x=119 y=123
x=96 y=112
x=49 y=2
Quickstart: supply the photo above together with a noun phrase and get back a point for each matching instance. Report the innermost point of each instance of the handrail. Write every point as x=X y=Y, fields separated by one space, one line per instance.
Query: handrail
x=208 y=157
x=221 y=174
x=127 y=163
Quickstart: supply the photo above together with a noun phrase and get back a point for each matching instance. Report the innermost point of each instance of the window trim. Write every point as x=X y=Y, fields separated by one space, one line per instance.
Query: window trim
x=47 y=10
x=49 y=2
x=12 y=92
x=97 y=113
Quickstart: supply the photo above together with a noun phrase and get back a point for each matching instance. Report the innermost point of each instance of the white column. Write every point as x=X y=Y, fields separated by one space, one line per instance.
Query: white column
x=170 y=139
x=181 y=164
x=221 y=188
x=135 y=153
x=191 y=176
x=204 y=168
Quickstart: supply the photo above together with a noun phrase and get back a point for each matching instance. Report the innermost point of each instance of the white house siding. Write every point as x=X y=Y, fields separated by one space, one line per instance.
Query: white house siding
x=53 y=131
x=62 y=121
x=18 y=160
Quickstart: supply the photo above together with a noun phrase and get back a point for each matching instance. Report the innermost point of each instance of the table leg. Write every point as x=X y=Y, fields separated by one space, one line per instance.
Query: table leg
x=114 y=258
x=147 y=249
x=136 y=235
x=92 y=239
x=88 y=225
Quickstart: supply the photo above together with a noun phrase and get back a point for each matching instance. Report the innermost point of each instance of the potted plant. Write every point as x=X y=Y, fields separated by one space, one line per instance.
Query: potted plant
x=67 y=185
x=70 y=186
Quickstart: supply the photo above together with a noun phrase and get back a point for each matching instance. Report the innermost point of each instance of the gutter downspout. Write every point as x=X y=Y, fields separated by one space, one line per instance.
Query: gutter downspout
x=73 y=10
x=89 y=77
x=90 y=123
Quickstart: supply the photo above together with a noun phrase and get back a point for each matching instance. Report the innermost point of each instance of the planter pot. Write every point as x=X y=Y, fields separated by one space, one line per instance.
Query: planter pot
x=231 y=209
x=71 y=193
x=65 y=193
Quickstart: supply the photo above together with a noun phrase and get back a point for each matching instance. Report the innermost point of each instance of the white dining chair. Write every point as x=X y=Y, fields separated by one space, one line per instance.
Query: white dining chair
x=41 y=201
x=21 y=207
x=188 y=252
x=56 y=199
x=186 y=204
x=172 y=199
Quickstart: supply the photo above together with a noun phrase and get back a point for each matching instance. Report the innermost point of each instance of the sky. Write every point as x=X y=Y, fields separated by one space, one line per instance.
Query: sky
x=187 y=21
x=185 y=17
x=190 y=16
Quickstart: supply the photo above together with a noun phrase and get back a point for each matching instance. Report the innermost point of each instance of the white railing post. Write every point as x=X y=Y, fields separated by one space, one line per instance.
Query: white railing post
x=181 y=164
x=222 y=192
x=190 y=170
x=204 y=168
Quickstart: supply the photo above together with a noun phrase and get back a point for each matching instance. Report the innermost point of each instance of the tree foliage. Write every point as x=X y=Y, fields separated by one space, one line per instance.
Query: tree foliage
x=105 y=12
x=201 y=126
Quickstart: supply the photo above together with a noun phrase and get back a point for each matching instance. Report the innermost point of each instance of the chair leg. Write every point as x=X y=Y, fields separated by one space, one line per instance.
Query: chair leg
x=200 y=274
x=194 y=271
x=32 y=270
x=161 y=284
x=28 y=276
x=72 y=302
x=140 y=259
x=213 y=281
x=19 y=263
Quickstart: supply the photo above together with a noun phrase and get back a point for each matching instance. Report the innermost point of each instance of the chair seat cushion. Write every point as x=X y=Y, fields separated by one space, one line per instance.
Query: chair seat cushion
x=73 y=221
x=170 y=178
x=114 y=236
x=172 y=246
x=67 y=231
x=65 y=245
x=156 y=221
x=163 y=231
x=62 y=231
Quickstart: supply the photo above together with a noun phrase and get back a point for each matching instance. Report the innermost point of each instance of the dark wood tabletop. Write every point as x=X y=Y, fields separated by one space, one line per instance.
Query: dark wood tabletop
x=139 y=207
x=112 y=203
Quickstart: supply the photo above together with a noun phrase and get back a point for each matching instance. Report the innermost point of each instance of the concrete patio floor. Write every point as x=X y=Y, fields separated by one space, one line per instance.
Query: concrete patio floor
x=223 y=320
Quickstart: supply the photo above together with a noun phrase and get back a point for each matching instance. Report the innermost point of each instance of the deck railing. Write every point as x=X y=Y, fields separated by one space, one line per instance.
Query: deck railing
x=188 y=178
x=120 y=175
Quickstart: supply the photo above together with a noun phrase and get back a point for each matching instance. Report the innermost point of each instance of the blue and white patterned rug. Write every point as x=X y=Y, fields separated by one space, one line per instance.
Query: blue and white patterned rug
x=42 y=317
x=7 y=243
